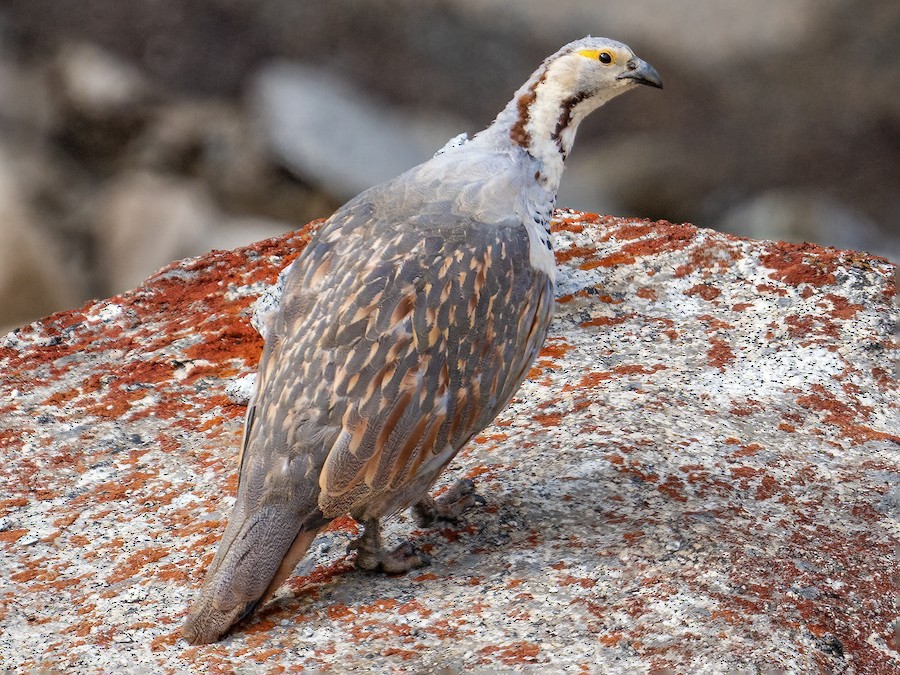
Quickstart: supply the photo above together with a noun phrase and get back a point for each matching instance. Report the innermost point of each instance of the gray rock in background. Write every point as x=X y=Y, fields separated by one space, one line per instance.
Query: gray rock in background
x=95 y=83
x=336 y=136
x=145 y=220
x=34 y=277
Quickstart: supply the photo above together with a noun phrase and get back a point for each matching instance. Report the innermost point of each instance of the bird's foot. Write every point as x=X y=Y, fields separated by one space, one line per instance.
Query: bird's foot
x=372 y=556
x=449 y=506
x=402 y=559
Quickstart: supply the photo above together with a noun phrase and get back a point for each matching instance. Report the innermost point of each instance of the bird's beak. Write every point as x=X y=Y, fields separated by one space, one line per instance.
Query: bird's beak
x=641 y=72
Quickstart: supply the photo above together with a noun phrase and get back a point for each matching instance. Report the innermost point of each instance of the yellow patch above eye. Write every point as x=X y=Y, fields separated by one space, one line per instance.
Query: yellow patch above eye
x=594 y=54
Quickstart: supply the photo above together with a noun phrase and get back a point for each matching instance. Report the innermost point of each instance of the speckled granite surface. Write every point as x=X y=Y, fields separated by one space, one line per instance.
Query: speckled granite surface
x=702 y=475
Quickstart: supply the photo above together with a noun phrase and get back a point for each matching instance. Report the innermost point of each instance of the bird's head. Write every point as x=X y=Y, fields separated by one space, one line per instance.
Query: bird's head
x=600 y=64
x=579 y=78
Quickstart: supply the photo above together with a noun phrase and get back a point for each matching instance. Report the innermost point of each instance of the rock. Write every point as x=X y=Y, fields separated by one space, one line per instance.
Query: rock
x=700 y=474
x=25 y=99
x=802 y=216
x=97 y=84
x=34 y=277
x=145 y=221
x=336 y=137
x=235 y=232
x=217 y=143
x=101 y=104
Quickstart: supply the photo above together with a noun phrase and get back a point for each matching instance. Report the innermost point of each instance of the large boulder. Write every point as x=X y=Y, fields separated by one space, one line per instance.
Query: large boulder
x=702 y=473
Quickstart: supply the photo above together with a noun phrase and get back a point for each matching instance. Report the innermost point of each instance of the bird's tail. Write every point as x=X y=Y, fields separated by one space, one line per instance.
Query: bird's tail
x=258 y=551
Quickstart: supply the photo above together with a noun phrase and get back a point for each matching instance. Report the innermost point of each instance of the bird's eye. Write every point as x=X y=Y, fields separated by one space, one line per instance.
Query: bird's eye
x=605 y=57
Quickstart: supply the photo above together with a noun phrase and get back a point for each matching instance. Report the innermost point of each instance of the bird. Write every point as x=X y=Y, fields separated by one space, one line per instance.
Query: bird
x=405 y=326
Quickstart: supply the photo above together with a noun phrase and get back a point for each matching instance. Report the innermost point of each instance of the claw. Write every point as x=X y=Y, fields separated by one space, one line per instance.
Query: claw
x=450 y=505
x=372 y=556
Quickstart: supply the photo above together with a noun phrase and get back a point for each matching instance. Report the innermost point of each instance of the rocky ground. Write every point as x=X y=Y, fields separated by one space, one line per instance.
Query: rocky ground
x=702 y=474
x=133 y=133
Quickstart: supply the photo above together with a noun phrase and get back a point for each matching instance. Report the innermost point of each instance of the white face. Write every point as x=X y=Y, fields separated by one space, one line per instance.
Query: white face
x=613 y=66
x=605 y=63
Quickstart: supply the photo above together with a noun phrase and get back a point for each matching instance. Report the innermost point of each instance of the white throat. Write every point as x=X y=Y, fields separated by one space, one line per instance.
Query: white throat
x=547 y=114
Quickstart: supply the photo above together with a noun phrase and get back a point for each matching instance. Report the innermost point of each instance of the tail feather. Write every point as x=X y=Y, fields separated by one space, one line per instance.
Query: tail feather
x=255 y=556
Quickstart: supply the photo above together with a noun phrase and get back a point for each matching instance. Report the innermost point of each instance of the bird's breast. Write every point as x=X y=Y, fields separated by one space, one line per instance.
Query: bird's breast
x=540 y=249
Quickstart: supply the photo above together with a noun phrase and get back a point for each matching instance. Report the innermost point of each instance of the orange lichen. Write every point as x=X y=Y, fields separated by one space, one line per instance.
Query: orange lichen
x=135 y=562
x=12 y=535
x=555 y=348
x=514 y=652
x=618 y=258
x=796 y=264
x=549 y=419
x=719 y=354
x=705 y=291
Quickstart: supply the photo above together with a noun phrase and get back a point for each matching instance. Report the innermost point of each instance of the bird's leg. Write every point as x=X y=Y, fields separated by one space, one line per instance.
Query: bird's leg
x=371 y=554
x=449 y=506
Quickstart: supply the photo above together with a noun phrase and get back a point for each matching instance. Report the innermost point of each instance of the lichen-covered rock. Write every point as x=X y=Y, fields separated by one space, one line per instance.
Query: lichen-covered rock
x=701 y=474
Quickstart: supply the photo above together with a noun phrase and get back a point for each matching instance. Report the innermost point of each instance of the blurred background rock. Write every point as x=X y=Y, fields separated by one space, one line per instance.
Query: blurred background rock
x=135 y=132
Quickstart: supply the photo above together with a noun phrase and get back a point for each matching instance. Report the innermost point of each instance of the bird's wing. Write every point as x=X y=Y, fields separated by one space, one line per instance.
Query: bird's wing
x=428 y=357
x=394 y=344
